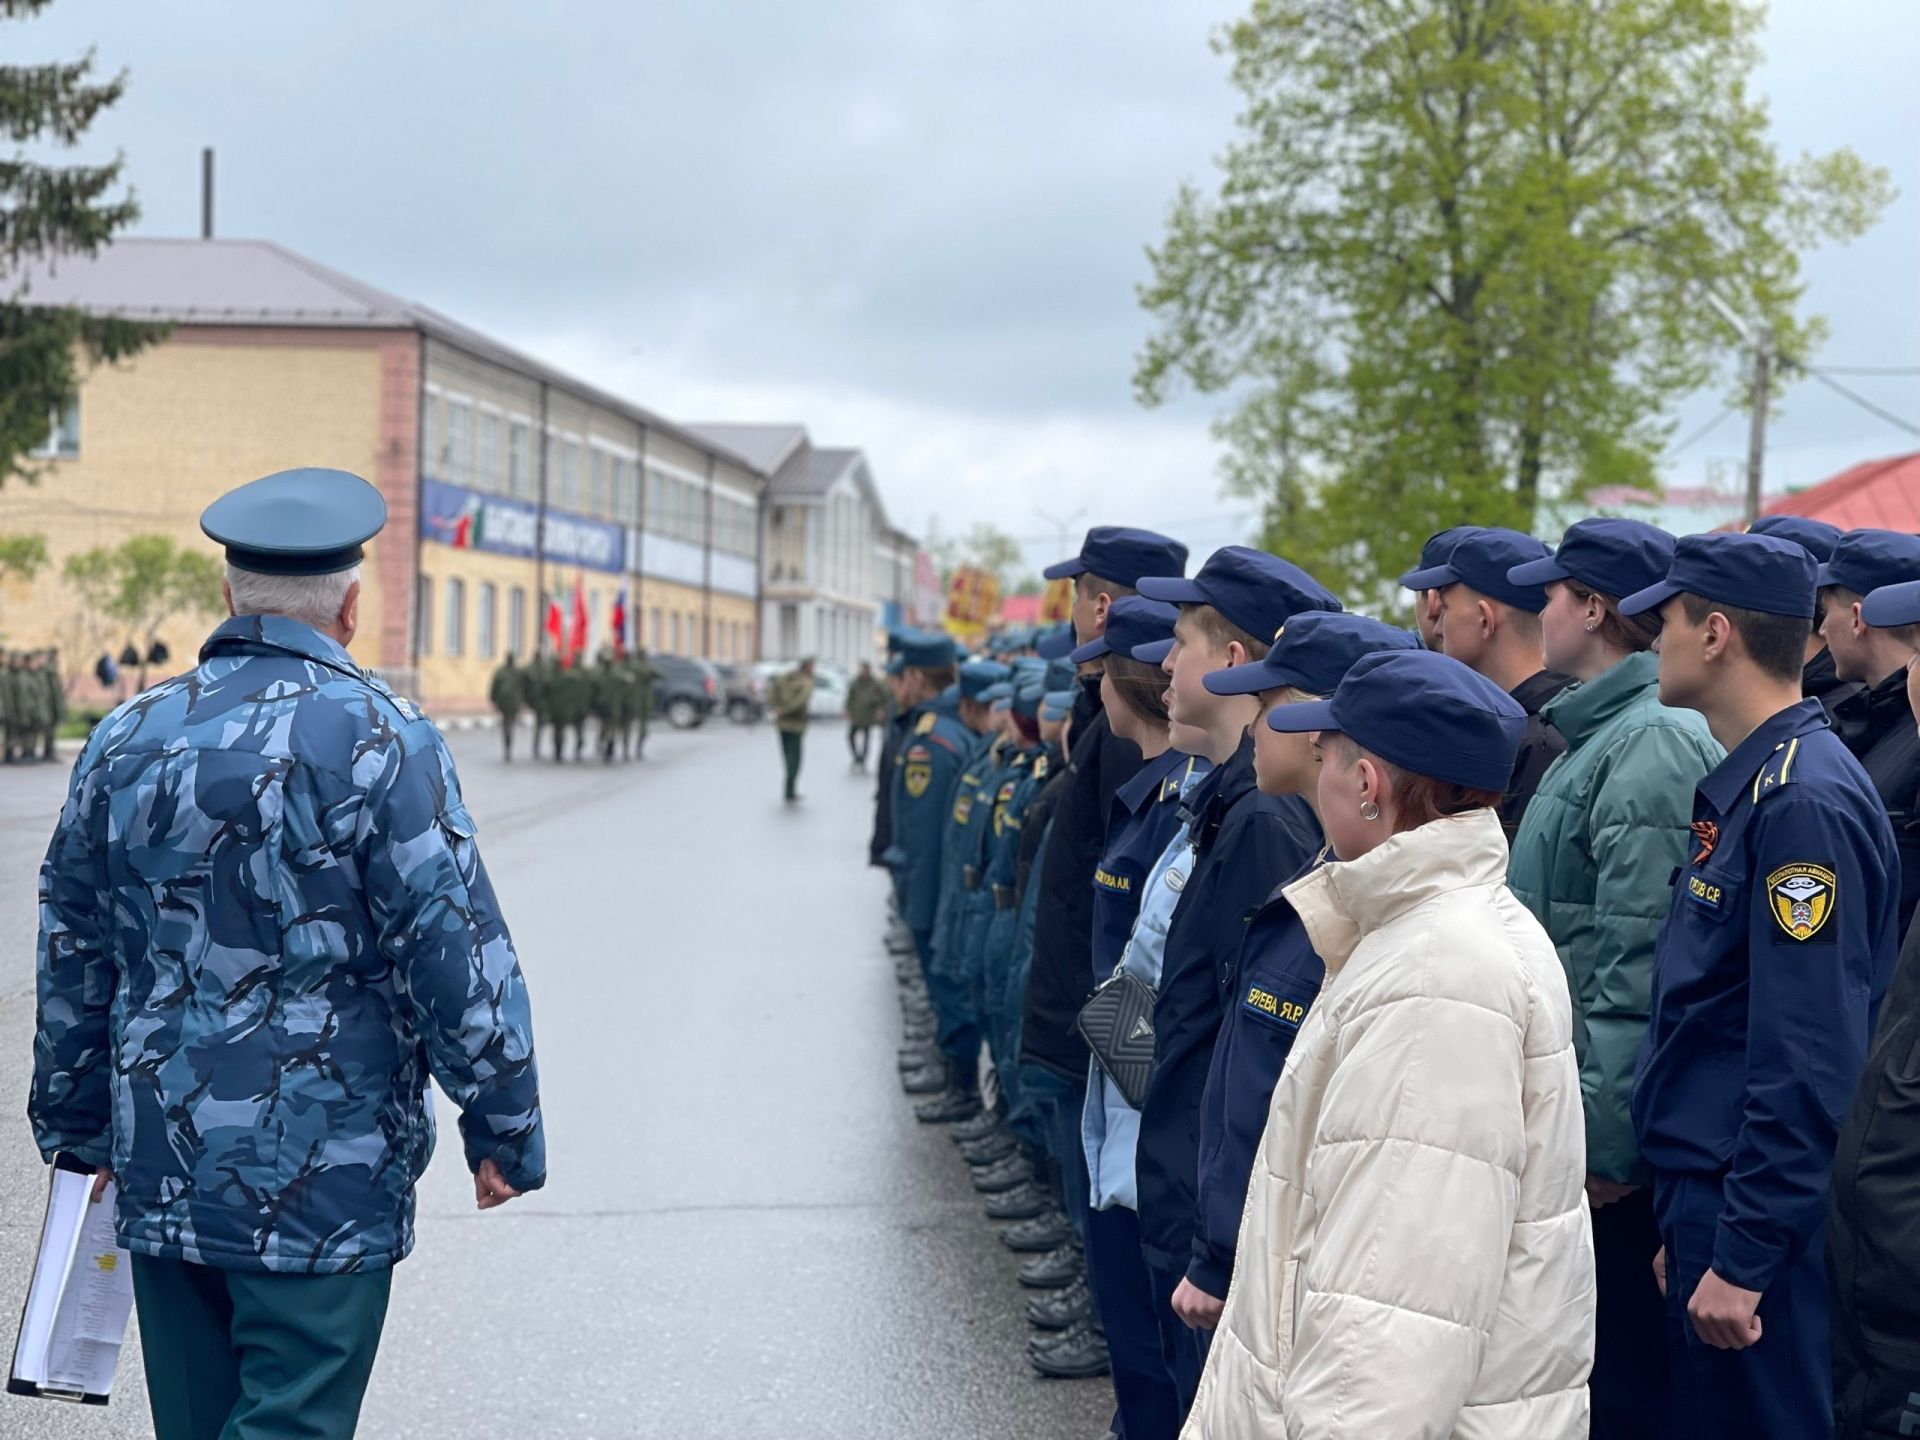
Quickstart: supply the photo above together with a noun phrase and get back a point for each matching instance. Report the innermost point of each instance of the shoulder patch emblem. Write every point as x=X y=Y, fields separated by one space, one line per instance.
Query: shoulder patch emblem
x=924 y=726
x=919 y=776
x=1802 y=898
x=1040 y=768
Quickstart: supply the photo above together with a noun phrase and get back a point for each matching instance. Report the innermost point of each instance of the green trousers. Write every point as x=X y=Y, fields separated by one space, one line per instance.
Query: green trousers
x=790 y=752
x=239 y=1355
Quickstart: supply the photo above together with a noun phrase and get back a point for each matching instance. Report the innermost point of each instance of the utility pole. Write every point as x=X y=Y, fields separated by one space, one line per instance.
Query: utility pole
x=1760 y=337
x=1063 y=526
x=1757 y=420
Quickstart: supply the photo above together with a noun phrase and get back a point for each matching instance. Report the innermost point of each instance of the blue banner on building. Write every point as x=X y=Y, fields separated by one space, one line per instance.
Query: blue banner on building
x=467 y=520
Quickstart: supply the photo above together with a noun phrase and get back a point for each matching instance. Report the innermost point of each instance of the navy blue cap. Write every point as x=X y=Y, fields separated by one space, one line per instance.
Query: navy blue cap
x=1613 y=557
x=1480 y=560
x=1155 y=653
x=1439 y=545
x=1060 y=674
x=1132 y=620
x=928 y=652
x=1425 y=712
x=1311 y=653
x=1868 y=560
x=1892 y=605
x=1816 y=537
x=1057 y=704
x=1056 y=643
x=1256 y=591
x=297 y=522
x=896 y=665
x=979 y=676
x=995 y=693
x=1028 y=692
x=1124 y=556
x=1750 y=572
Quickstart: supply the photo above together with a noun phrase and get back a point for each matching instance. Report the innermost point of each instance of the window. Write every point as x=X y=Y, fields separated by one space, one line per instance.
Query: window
x=486 y=457
x=626 y=492
x=460 y=441
x=517 y=622
x=456 y=633
x=569 y=475
x=63 y=433
x=423 y=615
x=432 y=457
x=676 y=633
x=653 y=629
x=596 y=483
x=522 y=483
x=550 y=457
x=483 y=623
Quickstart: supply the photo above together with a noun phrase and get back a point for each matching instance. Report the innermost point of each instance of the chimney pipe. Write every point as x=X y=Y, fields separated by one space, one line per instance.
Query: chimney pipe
x=206 y=193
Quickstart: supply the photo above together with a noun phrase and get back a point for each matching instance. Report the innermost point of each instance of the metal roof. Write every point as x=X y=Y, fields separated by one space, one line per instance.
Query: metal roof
x=256 y=282
x=768 y=446
x=1875 y=495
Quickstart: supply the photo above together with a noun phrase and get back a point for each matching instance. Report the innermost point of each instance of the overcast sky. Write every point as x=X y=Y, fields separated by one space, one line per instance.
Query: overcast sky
x=915 y=228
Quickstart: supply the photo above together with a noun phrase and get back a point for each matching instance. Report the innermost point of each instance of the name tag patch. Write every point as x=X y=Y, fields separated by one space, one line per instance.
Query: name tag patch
x=1269 y=1006
x=1107 y=880
x=1704 y=892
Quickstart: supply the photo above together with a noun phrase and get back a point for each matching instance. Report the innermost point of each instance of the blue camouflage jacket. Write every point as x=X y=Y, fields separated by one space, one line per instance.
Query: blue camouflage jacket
x=263 y=922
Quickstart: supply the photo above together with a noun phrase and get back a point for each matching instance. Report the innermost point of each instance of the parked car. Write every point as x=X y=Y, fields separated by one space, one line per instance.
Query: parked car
x=743 y=693
x=829 y=687
x=687 y=692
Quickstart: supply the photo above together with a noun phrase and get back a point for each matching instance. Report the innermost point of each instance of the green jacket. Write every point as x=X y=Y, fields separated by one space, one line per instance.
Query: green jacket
x=866 y=701
x=508 y=692
x=1601 y=837
x=788 y=697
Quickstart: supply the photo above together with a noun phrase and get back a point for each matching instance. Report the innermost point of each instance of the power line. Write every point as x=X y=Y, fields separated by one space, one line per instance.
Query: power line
x=1872 y=369
x=1702 y=432
x=1865 y=404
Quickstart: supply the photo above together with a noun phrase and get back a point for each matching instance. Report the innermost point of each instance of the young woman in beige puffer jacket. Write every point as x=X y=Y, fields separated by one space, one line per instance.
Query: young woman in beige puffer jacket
x=1416 y=1258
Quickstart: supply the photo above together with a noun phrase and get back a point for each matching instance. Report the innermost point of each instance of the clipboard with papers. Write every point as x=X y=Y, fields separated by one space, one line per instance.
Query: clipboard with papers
x=75 y=1318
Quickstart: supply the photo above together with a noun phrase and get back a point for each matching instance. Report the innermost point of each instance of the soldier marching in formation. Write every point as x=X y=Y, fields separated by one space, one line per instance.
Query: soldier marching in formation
x=615 y=692
x=33 y=705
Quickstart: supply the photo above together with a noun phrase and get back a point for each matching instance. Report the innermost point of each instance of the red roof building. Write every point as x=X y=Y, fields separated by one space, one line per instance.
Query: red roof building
x=1876 y=495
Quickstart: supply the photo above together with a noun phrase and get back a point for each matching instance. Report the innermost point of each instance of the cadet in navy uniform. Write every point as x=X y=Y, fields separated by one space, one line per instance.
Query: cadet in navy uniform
x=264 y=922
x=1244 y=844
x=1426 y=600
x=1276 y=975
x=1873 y=1252
x=1767 y=975
x=1876 y=722
x=935 y=748
x=1818 y=678
x=1491 y=624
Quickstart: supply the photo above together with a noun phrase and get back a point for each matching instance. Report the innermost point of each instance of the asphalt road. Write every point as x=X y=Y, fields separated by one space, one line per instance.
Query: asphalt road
x=745 y=1234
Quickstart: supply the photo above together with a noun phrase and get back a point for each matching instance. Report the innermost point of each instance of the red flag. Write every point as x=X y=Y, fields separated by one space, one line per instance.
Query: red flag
x=554 y=623
x=577 y=641
x=620 y=622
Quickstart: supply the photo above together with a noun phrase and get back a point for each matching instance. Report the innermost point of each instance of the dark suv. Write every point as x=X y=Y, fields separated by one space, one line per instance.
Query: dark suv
x=687 y=692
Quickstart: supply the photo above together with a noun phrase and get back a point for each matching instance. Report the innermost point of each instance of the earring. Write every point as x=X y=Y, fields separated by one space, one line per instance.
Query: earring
x=1369 y=810
x=1592 y=625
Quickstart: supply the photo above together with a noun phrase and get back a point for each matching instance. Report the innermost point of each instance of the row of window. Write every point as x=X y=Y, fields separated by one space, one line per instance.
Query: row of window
x=669 y=632
x=487 y=451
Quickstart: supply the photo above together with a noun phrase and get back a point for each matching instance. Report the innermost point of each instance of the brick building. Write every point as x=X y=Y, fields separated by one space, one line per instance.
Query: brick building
x=507 y=482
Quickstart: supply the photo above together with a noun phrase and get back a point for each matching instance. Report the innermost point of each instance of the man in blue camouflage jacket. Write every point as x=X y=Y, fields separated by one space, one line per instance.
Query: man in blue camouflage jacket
x=264 y=922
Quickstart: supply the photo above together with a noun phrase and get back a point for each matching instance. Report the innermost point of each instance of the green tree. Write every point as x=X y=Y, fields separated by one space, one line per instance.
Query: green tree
x=984 y=547
x=1458 y=257
x=145 y=581
x=22 y=556
x=48 y=211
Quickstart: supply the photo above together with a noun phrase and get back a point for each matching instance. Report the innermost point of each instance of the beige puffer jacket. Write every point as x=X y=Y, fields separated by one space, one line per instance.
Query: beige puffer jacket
x=1416 y=1258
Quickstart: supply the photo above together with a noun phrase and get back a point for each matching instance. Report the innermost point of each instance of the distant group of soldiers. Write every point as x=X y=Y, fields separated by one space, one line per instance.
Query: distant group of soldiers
x=33 y=703
x=615 y=693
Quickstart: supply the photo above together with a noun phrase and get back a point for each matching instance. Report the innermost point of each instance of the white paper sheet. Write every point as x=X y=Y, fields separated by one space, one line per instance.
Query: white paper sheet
x=82 y=1294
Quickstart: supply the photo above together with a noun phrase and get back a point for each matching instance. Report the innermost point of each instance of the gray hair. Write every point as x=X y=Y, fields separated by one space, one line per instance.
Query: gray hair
x=311 y=599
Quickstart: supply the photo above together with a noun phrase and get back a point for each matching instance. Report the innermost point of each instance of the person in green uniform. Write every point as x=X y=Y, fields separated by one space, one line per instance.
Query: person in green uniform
x=56 y=703
x=788 y=698
x=866 y=708
x=647 y=677
x=31 y=705
x=508 y=692
x=606 y=703
x=9 y=710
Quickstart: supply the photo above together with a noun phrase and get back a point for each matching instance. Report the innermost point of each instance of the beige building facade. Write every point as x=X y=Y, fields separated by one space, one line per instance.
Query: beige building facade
x=514 y=492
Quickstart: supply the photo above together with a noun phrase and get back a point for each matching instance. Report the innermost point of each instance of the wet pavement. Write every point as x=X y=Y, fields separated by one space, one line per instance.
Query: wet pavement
x=745 y=1234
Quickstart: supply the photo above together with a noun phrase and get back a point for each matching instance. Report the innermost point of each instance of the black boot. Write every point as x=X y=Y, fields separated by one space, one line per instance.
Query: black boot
x=1056 y=1269
x=959 y=1101
x=1080 y=1354
x=1061 y=1309
x=1023 y=1202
